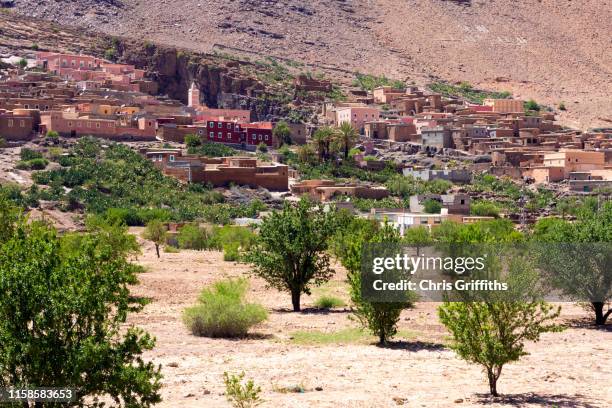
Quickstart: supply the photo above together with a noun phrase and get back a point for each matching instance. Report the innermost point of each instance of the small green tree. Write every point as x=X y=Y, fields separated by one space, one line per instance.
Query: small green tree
x=484 y=209
x=418 y=237
x=493 y=334
x=562 y=106
x=380 y=318
x=23 y=63
x=262 y=147
x=532 y=105
x=157 y=232
x=431 y=206
x=282 y=133
x=290 y=251
x=241 y=395
x=193 y=140
x=64 y=323
x=2 y=143
x=192 y=236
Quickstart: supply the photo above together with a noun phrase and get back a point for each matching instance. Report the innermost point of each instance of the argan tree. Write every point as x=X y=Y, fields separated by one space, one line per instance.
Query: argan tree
x=380 y=318
x=577 y=257
x=493 y=334
x=157 y=232
x=290 y=251
x=63 y=311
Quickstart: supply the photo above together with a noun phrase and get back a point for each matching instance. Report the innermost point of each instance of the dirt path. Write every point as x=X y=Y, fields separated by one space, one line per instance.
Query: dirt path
x=568 y=369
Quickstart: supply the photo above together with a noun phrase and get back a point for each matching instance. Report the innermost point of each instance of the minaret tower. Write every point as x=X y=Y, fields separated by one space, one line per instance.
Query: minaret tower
x=193 y=98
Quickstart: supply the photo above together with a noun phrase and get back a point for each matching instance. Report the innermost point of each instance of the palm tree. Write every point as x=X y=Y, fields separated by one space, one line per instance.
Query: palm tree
x=347 y=135
x=323 y=138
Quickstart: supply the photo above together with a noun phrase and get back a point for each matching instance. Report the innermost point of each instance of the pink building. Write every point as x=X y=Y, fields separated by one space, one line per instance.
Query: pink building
x=356 y=116
x=72 y=125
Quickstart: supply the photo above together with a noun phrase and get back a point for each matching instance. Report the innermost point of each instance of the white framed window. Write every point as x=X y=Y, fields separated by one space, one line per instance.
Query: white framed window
x=10 y=123
x=229 y=136
x=200 y=132
x=220 y=135
x=88 y=124
x=219 y=125
x=211 y=124
x=229 y=126
x=260 y=137
x=237 y=127
x=98 y=125
x=160 y=158
x=211 y=134
x=266 y=137
x=171 y=157
x=22 y=123
x=69 y=124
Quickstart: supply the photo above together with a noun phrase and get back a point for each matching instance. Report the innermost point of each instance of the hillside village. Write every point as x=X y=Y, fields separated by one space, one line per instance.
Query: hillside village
x=418 y=133
x=209 y=230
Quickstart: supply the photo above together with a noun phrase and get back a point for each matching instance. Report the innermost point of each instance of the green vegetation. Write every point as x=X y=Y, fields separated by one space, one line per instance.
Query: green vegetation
x=406 y=186
x=290 y=251
x=192 y=236
x=120 y=183
x=69 y=326
x=565 y=265
x=369 y=82
x=282 y=133
x=466 y=91
x=562 y=106
x=347 y=135
x=328 y=302
x=532 y=105
x=241 y=395
x=192 y=140
x=2 y=143
x=484 y=209
x=492 y=334
x=262 y=147
x=212 y=149
x=34 y=164
x=223 y=312
x=23 y=63
x=52 y=135
x=431 y=206
x=156 y=232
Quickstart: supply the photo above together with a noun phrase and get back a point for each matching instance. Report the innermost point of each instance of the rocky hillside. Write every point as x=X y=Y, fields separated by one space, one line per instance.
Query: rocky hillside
x=550 y=50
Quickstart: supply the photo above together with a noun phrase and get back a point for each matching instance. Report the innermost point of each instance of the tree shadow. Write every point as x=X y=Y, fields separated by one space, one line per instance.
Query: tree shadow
x=312 y=311
x=588 y=323
x=465 y=3
x=413 y=345
x=544 y=400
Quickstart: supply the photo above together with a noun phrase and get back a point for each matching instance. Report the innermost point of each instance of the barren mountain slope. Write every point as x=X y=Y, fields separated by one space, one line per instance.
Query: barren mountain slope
x=548 y=49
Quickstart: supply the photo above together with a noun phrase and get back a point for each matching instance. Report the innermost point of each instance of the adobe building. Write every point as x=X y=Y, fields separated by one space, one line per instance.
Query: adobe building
x=505 y=105
x=222 y=171
x=386 y=94
x=73 y=125
x=357 y=116
x=15 y=126
x=326 y=190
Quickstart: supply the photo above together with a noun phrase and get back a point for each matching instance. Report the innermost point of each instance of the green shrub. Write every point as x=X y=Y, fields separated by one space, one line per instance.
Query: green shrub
x=212 y=149
x=241 y=395
x=171 y=249
x=562 y=106
x=231 y=252
x=34 y=164
x=431 y=206
x=2 y=143
x=243 y=237
x=532 y=105
x=328 y=302
x=192 y=236
x=262 y=147
x=193 y=140
x=222 y=312
x=136 y=217
x=29 y=154
x=484 y=209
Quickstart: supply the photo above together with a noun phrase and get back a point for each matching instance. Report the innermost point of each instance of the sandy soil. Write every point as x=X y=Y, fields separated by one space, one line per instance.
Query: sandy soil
x=568 y=369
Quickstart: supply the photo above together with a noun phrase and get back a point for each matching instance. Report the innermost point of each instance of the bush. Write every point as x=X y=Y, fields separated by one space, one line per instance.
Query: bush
x=34 y=164
x=171 y=249
x=53 y=135
x=231 y=252
x=562 y=106
x=212 y=149
x=262 y=147
x=243 y=237
x=192 y=236
x=193 y=140
x=532 y=105
x=222 y=312
x=136 y=217
x=432 y=206
x=484 y=209
x=241 y=395
x=29 y=154
x=328 y=302
x=2 y=143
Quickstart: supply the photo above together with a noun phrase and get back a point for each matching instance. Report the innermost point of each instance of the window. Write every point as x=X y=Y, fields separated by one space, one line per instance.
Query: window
x=10 y=123
x=424 y=221
x=211 y=134
x=26 y=106
x=260 y=137
x=220 y=135
x=73 y=63
x=69 y=124
x=78 y=124
x=229 y=136
x=88 y=124
x=160 y=157
x=219 y=125
x=98 y=125
x=462 y=202
x=171 y=157
x=237 y=127
x=229 y=126
x=200 y=132
x=254 y=136
x=266 y=137
x=22 y=123
x=211 y=124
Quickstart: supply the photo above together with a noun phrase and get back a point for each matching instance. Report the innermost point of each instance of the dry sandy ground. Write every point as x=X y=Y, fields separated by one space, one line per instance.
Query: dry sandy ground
x=568 y=369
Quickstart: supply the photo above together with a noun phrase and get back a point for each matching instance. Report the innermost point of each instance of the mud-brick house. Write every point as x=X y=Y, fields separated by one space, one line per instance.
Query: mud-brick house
x=326 y=190
x=15 y=126
x=221 y=171
x=71 y=124
x=454 y=203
